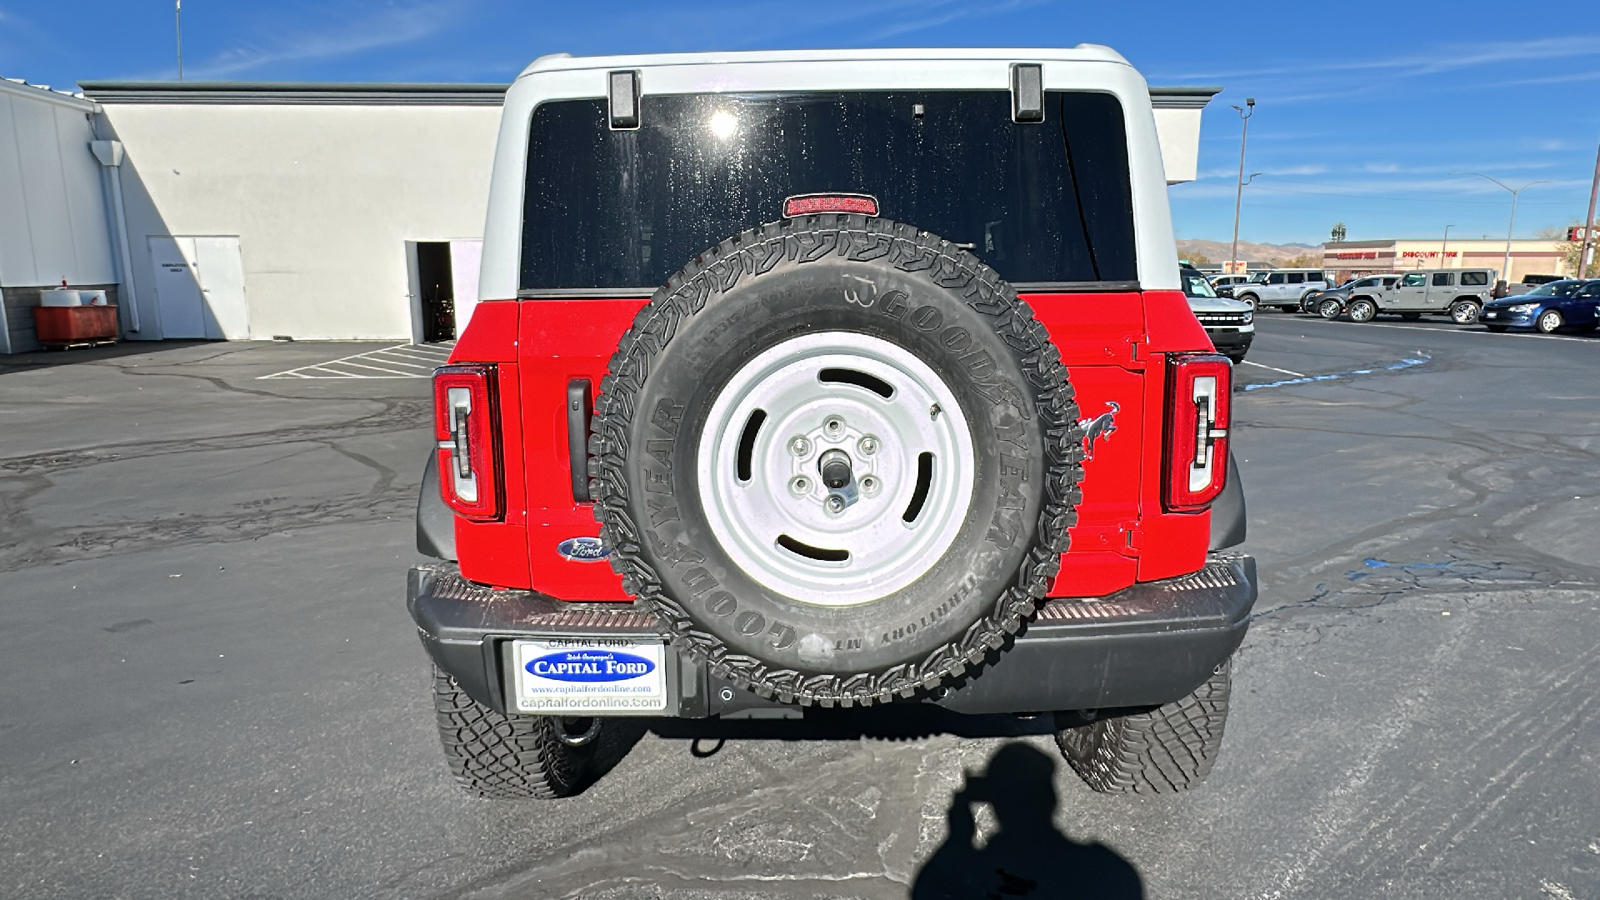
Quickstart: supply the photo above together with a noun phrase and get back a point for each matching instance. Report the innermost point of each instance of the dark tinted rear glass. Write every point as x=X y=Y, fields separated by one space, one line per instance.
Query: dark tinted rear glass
x=1475 y=278
x=1046 y=203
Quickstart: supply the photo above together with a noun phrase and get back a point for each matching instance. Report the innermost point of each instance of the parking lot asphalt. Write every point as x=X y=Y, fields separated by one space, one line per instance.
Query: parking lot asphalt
x=209 y=685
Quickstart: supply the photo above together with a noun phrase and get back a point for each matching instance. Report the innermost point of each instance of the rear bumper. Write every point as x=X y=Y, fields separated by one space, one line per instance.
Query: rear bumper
x=1147 y=645
x=1231 y=340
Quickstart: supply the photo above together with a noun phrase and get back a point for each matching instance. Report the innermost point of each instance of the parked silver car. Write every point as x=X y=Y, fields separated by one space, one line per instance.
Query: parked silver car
x=1283 y=288
x=1461 y=293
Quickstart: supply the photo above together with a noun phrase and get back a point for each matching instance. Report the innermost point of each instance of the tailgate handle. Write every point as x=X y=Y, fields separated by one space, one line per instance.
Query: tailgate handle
x=580 y=403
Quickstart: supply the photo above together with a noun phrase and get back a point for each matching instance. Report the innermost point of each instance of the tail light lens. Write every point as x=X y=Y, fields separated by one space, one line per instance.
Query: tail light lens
x=464 y=418
x=1199 y=388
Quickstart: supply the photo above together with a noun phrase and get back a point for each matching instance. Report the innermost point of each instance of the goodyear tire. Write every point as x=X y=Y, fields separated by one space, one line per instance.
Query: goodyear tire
x=500 y=757
x=836 y=456
x=1164 y=750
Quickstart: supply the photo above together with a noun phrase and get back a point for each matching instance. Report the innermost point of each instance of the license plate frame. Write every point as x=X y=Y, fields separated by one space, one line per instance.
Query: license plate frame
x=589 y=675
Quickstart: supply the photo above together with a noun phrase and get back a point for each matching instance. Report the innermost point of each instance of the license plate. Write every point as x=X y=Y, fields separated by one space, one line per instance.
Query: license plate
x=590 y=675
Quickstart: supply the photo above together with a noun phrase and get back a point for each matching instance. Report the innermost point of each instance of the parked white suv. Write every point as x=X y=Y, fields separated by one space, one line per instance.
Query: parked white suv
x=1283 y=288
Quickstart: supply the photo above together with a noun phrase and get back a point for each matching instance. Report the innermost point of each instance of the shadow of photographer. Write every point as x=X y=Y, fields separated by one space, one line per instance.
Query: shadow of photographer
x=1026 y=856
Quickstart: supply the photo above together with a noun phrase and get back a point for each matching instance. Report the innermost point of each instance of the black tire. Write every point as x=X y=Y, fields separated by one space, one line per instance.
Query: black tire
x=1549 y=322
x=1497 y=329
x=1362 y=310
x=1251 y=299
x=1163 y=750
x=909 y=288
x=1330 y=309
x=1411 y=316
x=500 y=757
x=1464 y=312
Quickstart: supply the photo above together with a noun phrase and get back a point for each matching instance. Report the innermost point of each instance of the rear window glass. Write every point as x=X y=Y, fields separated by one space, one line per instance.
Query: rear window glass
x=1042 y=204
x=1475 y=278
x=1443 y=279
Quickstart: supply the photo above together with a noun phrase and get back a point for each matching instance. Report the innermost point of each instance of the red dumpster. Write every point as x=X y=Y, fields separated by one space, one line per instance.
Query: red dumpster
x=64 y=326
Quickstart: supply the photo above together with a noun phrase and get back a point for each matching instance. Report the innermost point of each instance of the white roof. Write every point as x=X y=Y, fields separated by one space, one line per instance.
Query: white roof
x=561 y=62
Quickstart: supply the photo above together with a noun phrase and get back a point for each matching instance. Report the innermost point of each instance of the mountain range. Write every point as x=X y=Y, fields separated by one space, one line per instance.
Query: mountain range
x=1217 y=251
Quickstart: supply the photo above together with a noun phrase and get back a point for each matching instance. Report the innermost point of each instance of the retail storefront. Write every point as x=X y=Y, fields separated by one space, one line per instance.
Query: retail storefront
x=1353 y=258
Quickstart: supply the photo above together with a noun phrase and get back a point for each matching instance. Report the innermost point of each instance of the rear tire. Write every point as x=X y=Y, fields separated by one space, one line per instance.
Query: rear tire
x=1463 y=312
x=500 y=757
x=1363 y=310
x=1164 y=750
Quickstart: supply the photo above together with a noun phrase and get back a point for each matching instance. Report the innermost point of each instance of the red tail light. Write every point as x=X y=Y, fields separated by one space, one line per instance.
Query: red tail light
x=464 y=418
x=807 y=204
x=1198 y=390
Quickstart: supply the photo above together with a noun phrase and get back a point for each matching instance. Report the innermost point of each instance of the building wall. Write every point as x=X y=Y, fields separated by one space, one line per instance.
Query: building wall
x=54 y=224
x=323 y=198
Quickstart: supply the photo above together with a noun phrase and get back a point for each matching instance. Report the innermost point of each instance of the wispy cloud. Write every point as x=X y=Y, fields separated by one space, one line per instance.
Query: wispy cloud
x=1439 y=58
x=349 y=30
x=921 y=20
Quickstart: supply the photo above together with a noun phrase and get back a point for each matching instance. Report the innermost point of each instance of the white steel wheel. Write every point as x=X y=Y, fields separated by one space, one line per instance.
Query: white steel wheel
x=835 y=468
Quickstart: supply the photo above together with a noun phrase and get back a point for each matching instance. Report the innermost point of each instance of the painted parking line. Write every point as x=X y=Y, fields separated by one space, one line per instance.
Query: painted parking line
x=399 y=361
x=1275 y=369
x=1529 y=334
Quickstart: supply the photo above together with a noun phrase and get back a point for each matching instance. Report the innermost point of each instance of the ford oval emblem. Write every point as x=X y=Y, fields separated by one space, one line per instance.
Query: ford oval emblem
x=583 y=549
x=590 y=665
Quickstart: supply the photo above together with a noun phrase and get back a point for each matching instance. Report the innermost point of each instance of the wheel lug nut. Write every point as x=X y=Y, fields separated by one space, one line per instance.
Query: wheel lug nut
x=799 y=446
x=867 y=446
x=800 y=485
x=835 y=503
x=869 y=485
x=833 y=425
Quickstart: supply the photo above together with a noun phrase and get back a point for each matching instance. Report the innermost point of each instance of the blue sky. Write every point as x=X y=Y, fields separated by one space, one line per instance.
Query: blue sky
x=1364 y=109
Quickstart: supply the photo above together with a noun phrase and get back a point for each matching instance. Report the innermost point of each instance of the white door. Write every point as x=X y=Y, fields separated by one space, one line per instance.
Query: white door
x=178 y=295
x=200 y=287
x=222 y=283
x=466 y=257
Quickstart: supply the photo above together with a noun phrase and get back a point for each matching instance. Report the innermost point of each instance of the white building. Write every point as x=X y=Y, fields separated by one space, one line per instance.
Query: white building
x=260 y=211
x=55 y=221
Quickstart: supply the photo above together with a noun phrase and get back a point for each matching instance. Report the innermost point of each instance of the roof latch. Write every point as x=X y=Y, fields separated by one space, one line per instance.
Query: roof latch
x=624 y=100
x=1027 y=92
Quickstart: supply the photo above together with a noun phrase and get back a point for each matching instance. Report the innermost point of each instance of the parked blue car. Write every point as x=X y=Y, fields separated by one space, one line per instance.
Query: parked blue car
x=1566 y=304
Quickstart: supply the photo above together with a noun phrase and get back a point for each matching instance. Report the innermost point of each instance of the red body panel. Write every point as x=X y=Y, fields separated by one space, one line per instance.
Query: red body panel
x=1112 y=344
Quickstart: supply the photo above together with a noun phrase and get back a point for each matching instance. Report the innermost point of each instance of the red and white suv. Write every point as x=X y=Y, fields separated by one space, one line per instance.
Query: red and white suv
x=810 y=380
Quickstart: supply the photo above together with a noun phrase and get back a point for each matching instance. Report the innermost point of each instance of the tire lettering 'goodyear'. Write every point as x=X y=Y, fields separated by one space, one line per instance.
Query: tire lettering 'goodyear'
x=662 y=508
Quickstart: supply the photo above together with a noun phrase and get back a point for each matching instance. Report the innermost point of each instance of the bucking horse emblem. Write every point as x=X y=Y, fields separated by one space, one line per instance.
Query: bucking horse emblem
x=1100 y=426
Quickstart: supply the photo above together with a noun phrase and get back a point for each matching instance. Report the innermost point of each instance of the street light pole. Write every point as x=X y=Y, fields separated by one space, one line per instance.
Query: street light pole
x=1505 y=271
x=177 y=19
x=1238 y=196
x=1588 y=221
x=1443 y=245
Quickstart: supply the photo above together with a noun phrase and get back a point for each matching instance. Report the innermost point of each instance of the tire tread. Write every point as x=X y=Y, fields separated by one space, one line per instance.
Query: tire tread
x=1164 y=750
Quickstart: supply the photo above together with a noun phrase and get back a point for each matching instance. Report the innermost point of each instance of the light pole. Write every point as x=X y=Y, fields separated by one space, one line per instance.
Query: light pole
x=177 y=19
x=1245 y=113
x=1505 y=271
x=1444 y=244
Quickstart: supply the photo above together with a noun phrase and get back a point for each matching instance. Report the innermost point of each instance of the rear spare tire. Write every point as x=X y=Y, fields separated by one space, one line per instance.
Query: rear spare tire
x=837 y=458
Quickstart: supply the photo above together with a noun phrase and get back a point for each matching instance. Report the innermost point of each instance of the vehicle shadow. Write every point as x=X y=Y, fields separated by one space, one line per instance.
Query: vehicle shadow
x=889 y=723
x=1026 y=856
